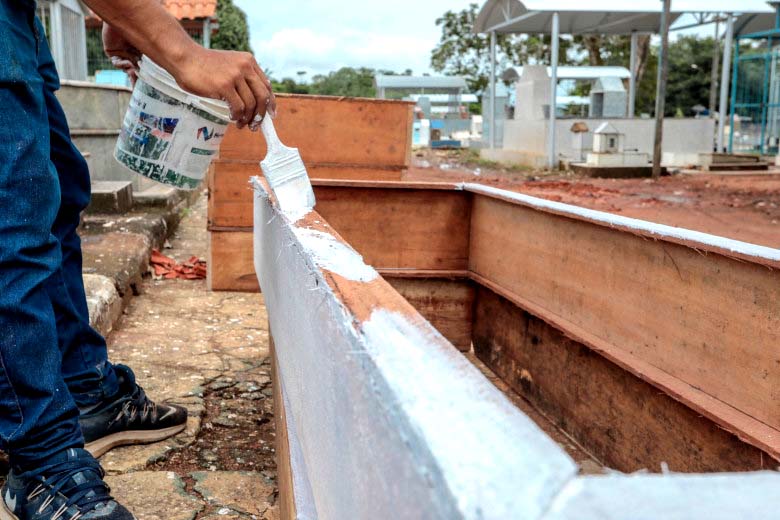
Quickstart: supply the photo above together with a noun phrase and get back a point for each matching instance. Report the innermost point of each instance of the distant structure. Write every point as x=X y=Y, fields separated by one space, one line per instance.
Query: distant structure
x=400 y=87
x=608 y=98
x=63 y=21
x=442 y=105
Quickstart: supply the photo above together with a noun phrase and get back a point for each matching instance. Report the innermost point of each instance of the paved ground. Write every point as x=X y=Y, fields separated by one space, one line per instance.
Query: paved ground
x=209 y=352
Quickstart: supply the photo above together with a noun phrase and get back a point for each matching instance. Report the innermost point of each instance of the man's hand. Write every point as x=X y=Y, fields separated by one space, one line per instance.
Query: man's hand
x=122 y=53
x=234 y=77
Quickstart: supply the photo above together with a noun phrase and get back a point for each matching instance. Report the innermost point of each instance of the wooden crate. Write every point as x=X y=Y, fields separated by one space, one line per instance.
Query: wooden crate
x=337 y=137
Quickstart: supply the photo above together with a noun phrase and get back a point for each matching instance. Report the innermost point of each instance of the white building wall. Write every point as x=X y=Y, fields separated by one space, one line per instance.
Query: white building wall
x=525 y=142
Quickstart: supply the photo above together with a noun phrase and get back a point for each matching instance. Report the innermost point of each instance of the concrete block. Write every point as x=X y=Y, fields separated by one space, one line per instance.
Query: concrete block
x=103 y=301
x=158 y=196
x=115 y=197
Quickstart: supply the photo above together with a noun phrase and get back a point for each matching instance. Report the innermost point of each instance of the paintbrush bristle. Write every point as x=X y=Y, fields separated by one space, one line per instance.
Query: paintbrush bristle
x=285 y=172
x=287 y=176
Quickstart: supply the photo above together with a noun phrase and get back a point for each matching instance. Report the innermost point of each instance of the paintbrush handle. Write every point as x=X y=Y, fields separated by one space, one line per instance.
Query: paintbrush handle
x=271 y=138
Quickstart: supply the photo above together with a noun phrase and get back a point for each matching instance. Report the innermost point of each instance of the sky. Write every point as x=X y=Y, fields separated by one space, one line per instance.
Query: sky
x=319 y=36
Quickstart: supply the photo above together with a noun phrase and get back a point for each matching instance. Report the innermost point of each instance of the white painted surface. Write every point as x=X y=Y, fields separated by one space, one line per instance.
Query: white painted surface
x=670 y=497
x=330 y=254
x=392 y=422
x=612 y=220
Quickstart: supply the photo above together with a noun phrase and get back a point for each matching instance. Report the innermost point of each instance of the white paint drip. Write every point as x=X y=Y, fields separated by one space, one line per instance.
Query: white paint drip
x=659 y=230
x=332 y=255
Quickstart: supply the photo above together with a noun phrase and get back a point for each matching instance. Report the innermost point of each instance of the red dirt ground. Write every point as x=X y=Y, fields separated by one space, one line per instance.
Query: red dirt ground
x=742 y=207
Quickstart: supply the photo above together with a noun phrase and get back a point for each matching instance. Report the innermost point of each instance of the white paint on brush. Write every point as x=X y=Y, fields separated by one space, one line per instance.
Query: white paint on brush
x=609 y=219
x=332 y=255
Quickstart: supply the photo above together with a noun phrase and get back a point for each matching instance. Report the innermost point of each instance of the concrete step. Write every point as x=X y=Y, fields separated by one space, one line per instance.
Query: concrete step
x=159 y=196
x=116 y=251
x=111 y=197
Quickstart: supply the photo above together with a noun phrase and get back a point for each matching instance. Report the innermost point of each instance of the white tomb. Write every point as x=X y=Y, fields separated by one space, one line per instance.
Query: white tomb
x=609 y=149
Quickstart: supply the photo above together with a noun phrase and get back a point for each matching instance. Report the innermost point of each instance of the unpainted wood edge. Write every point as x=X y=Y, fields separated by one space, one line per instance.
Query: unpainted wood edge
x=763 y=436
x=311 y=164
x=286 y=485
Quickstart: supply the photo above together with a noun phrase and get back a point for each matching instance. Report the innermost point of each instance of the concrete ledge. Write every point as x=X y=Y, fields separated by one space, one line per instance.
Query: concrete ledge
x=614 y=172
x=116 y=253
x=111 y=197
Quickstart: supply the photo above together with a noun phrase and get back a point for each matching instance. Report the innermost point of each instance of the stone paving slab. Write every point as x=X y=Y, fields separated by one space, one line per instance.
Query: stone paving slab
x=240 y=492
x=155 y=495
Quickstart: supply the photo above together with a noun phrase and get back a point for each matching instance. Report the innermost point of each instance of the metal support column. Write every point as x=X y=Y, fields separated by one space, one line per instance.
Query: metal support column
x=552 y=151
x=492 y=90
x=632 y=79
x=728 y=43
x=714 y=76
x=660 y=92
x=207 y=33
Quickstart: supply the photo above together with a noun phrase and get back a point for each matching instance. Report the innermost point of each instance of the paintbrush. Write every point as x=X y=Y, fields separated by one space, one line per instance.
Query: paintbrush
x=285 y=172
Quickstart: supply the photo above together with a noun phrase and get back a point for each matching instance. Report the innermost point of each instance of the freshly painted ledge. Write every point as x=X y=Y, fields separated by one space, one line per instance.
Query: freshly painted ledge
x=386 y=419
x=702 y=241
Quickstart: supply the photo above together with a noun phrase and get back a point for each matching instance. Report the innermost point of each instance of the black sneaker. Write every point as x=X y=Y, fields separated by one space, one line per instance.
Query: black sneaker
x=130 y=418
x=69 y=487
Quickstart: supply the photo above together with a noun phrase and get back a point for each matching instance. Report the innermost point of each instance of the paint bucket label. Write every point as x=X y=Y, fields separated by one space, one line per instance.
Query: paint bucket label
x=167 y=139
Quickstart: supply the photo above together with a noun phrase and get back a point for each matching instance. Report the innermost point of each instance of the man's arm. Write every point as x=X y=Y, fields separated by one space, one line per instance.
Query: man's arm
x=231 y=76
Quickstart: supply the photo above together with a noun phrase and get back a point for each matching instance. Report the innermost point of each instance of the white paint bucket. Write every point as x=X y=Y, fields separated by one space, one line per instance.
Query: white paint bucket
x=169 y=135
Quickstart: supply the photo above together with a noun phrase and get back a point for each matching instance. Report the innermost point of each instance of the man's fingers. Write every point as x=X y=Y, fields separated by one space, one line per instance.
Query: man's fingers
x=260 y=93
x=236 y=107
x=267 y=82
x=249 y=99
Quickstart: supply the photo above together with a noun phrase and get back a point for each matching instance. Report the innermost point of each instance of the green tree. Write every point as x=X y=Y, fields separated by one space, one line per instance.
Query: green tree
x=462 y=52
x=233 y=31
x=690 y=69
x=346 y=81
x=289 y=86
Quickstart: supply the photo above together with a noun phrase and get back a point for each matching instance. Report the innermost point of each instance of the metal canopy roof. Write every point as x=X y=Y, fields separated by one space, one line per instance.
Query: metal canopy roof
x=566 y=72
x=411 y=82
x=603 y=17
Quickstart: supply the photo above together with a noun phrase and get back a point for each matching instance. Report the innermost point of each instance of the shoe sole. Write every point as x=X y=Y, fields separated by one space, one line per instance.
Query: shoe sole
x=101 y=446
x=5 y=513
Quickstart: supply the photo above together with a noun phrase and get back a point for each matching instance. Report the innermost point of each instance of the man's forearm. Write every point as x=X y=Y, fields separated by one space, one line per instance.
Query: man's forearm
x=149 y=27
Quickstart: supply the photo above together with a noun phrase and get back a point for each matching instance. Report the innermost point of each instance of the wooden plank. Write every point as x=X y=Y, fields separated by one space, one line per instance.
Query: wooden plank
x=230 y=263
x=707 y=320
x=330 y=130
x=393 y=229
x=284 y=477
x=447 y=304
x=401 y=228
x=625 y=422
x=230 y=199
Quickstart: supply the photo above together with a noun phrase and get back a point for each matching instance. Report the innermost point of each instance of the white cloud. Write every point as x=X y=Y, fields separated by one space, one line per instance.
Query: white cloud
x=319 y=37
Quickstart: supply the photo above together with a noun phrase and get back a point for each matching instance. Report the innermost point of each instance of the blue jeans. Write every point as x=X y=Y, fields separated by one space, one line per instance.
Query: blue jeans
x=51 y=361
